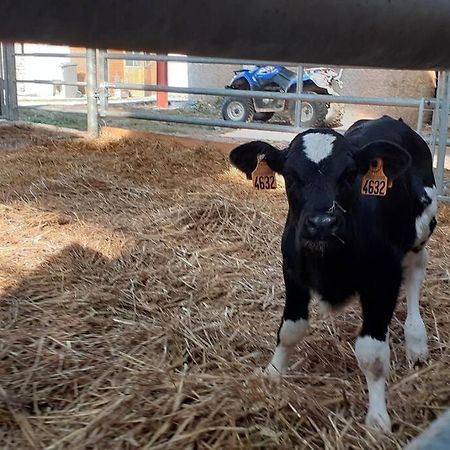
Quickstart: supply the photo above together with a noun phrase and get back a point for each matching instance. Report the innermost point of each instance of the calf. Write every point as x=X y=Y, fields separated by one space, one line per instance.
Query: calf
x=338 y=243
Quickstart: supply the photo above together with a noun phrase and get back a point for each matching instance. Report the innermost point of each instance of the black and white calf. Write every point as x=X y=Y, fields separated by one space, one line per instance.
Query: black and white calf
x=338 y=243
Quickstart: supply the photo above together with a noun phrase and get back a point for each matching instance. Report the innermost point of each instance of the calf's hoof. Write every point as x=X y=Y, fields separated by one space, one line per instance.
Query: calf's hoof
x=416 y=344
x=379 y=421
x=272 y=372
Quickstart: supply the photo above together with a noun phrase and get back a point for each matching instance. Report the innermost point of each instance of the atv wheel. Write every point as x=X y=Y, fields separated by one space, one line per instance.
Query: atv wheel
x=263 y=116
x=238 y=110
x=335 y=115
x=313 y=113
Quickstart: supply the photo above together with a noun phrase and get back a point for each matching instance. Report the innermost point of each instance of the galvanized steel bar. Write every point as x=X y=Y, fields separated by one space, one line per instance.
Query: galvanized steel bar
x=443 y=132
x=2 y=87
x=435 y=117
x=103 y=78
x=420 y=116
x=201 y=121
x=407 y=102
x=196 y=59
x=54 y=82
x=12 y=111
x=52 y=55
x=298 y=90
x=91 y=86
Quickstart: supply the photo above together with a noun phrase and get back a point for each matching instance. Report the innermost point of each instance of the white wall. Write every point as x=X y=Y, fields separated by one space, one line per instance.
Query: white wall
x=178 y=73
x=37 y=68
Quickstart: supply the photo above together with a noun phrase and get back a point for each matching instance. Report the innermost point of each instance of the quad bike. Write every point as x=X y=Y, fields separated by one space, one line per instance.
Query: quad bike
x=280 y=79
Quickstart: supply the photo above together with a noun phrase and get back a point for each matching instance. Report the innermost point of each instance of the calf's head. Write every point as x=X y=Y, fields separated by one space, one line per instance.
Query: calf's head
x=322 y=172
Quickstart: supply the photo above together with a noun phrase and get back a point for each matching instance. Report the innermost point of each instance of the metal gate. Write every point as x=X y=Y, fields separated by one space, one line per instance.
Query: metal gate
x=98 y=87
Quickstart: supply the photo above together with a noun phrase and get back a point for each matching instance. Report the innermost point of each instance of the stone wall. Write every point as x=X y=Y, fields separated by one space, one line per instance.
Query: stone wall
x=210 y=76
x=386 y=83
x=358 y=82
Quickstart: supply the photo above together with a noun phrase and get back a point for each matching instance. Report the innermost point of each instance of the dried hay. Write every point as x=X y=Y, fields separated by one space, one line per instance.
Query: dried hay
x=141 y=287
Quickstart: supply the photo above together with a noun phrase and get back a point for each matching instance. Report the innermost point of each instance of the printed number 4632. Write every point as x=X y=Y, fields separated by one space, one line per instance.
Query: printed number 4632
x=374 y=187
x=265 y=182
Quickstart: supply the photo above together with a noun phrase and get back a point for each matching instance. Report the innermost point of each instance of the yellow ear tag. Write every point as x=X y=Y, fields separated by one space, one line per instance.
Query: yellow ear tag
x=263 y=177
x=375 y=182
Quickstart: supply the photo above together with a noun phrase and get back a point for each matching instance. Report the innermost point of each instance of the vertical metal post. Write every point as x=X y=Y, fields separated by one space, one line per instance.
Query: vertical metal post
x=436 y=112
x=298 y=103
x=2 y=98
x=12 y=110
x=103 y=78
x=443 y=131
x=91 y=85
x=420 y=116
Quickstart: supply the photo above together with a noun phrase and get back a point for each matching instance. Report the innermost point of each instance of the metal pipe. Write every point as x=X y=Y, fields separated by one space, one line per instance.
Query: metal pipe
x=196 y=59
x=2 y=98
x=443 y=132
x=429 y=140
x=54 y=82
x=12 y=111
x=53 y=55
x=413 y=103
x=200 y=121
x=420 y=116
x=91 y=79
x=299 y=90
x=435 y=117
x=103 y=78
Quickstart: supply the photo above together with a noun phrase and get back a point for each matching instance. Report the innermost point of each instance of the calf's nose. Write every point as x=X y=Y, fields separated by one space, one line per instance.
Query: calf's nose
x=320 y=225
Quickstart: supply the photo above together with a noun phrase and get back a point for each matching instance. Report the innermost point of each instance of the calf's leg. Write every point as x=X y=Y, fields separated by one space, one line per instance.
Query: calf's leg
x=414 y=266
x=293 y=327
x=372 y=347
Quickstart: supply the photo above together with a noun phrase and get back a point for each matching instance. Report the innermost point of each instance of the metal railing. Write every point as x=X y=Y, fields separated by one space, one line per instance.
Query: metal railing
x=98 y=105
x=8 y=95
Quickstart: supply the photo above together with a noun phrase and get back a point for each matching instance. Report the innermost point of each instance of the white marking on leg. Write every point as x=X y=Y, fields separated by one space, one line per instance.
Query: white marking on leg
x=291 y=332
x=414 y=265
x=318 y=146
x=423 y=221
x=373 y=359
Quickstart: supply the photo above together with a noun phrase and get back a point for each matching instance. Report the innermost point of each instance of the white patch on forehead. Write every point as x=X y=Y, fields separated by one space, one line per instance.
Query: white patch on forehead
x=318 y=146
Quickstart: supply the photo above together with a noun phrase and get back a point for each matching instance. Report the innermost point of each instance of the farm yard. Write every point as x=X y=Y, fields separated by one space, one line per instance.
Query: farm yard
x=141 y=289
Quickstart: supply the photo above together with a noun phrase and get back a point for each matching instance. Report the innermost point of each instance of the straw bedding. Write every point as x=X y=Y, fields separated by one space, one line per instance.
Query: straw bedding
x=140 y=289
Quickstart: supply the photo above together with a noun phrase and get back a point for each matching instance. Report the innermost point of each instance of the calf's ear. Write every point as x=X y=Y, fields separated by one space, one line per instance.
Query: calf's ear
x=396 y=160
x=245 y=157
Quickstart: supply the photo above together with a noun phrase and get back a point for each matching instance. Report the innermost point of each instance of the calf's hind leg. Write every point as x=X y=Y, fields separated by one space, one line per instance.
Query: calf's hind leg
x=414 y=266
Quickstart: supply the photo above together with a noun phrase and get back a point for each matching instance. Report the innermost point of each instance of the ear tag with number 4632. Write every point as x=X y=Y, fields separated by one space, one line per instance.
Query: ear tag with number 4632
x=375 y=182
x=263 y=177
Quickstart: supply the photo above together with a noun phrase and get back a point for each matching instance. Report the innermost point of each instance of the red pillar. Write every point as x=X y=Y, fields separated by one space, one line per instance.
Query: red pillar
x=162 y=98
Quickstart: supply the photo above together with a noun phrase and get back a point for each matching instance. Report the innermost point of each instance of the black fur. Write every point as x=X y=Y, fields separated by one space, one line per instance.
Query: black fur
x=362 y=252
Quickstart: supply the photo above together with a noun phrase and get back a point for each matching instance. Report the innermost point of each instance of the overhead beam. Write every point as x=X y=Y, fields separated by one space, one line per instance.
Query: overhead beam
x=403 y=34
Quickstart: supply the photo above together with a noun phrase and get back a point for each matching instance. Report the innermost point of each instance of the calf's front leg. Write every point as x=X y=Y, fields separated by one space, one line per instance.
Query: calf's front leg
x=372 y=348
x=293 y=327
